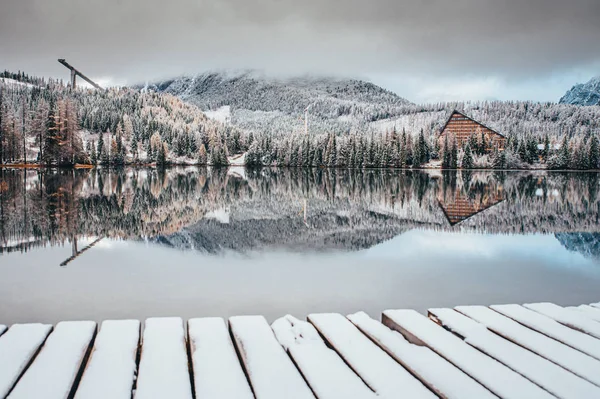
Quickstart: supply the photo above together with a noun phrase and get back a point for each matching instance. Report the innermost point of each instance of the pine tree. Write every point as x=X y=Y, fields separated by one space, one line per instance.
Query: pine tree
x=93 y=155
x=454 y=155
x=467 y=161
x=546 y=150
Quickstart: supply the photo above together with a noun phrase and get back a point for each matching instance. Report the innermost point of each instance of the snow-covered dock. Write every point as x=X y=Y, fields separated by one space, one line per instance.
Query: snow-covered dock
x=502 y=351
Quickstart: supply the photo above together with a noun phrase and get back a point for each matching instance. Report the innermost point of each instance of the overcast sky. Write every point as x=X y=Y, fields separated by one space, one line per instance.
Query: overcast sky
x=424 y=50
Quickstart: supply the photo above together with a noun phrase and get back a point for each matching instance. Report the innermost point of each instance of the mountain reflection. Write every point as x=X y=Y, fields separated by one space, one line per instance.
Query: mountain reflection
x=214 y=210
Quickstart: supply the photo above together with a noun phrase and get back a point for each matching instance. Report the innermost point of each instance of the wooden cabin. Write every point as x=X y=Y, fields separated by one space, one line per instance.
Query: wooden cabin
x=463 y=127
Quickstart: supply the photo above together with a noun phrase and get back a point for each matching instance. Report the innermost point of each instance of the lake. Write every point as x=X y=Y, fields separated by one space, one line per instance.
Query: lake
x=193 y=242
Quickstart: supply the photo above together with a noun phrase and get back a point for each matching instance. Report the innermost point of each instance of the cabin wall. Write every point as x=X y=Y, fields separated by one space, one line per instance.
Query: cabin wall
x=462 y=128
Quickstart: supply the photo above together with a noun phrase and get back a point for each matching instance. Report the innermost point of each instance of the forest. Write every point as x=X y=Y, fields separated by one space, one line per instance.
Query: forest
x=45 y=122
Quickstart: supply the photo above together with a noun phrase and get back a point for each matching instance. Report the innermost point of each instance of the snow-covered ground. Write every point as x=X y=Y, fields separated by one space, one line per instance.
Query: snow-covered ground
x=221 y=114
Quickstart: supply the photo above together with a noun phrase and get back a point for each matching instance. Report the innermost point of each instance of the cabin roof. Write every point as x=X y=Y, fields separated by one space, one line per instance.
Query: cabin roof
x=471 y=119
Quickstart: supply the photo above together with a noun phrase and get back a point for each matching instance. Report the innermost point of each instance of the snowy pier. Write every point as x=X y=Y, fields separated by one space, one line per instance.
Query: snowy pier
x=526 y=351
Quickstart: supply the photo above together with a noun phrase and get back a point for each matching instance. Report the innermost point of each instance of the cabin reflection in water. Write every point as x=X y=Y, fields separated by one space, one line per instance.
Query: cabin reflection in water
x=462 y=197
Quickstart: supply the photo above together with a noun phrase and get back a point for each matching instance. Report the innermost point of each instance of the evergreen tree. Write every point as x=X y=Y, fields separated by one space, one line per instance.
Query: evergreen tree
x=93 y=155
x=546 y=150
x=454 y=155
x=467 y=161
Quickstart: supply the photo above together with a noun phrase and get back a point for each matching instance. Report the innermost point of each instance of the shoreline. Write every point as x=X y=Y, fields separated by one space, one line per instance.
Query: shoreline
x=154 y=165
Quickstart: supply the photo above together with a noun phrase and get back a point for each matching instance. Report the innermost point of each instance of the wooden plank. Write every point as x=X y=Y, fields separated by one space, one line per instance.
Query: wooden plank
x=271 y=372
x=112 y=367
x=590 y=311
x=17 y=348
x=553 y=329
x=217 y=370
x=487 y=371
x=326 y=373
x=553 y=378
x=376 y=368
x=54 y=373
x=164 y=369
x=567 y=317
x=577 y=362
x=439 y=375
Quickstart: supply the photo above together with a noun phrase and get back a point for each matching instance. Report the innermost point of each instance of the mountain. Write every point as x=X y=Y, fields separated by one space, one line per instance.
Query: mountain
x=254 y=101
x=583 y=94
x=587 y=244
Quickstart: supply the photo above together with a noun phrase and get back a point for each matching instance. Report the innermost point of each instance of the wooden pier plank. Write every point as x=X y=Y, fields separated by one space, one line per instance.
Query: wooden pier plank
x=590 y=311
x=270 y=370
x=435 y=372
x=112 y=367
x=216 y=367
x=17 y=348
x=576 y=362
x=164 y=369
x=567 y=317
x=326 y=373
x=54 y=372
x=553 y=378
x=498 y=378
x=551 y=328
x=376 y=368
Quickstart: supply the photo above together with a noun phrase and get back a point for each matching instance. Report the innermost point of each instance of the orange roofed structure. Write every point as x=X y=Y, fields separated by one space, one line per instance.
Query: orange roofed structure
x=463 y=127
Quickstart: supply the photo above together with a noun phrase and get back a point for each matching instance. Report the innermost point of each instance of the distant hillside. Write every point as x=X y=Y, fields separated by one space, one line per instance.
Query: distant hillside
x=583 y=94
x=257 y=102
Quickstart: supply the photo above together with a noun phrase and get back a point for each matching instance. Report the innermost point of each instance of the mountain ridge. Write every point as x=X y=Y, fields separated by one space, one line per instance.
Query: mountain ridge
x=583 y=93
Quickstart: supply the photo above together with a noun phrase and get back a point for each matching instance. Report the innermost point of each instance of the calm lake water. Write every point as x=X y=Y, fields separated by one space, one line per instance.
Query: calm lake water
x=191 y=242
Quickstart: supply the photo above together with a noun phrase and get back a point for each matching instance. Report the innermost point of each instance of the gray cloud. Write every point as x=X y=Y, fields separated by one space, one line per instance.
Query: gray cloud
x=434 y=40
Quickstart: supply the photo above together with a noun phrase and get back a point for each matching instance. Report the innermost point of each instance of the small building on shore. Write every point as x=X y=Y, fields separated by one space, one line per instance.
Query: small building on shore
x=462 y=127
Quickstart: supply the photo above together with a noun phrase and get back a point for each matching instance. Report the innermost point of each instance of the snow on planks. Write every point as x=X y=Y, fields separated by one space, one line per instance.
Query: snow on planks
x=217 y=370
x=590 y=311
x=548 y=375
x=567 y=317
x=553 y=329
x=17 y=347
x=492 y=374
x=326 y=373
x=270 y=370
x=164 y=369
x=576 y=362
x=376 y=368
x=55 y=369
x=112 y=367
x=441 y=376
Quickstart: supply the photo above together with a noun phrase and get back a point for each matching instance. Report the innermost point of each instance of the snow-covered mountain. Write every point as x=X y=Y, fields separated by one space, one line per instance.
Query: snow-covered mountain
x=587 y=244
x=583 y=94
x=254 y=101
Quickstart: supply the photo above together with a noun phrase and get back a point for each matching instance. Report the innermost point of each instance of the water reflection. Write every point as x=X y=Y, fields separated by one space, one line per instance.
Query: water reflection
x=216 y=210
